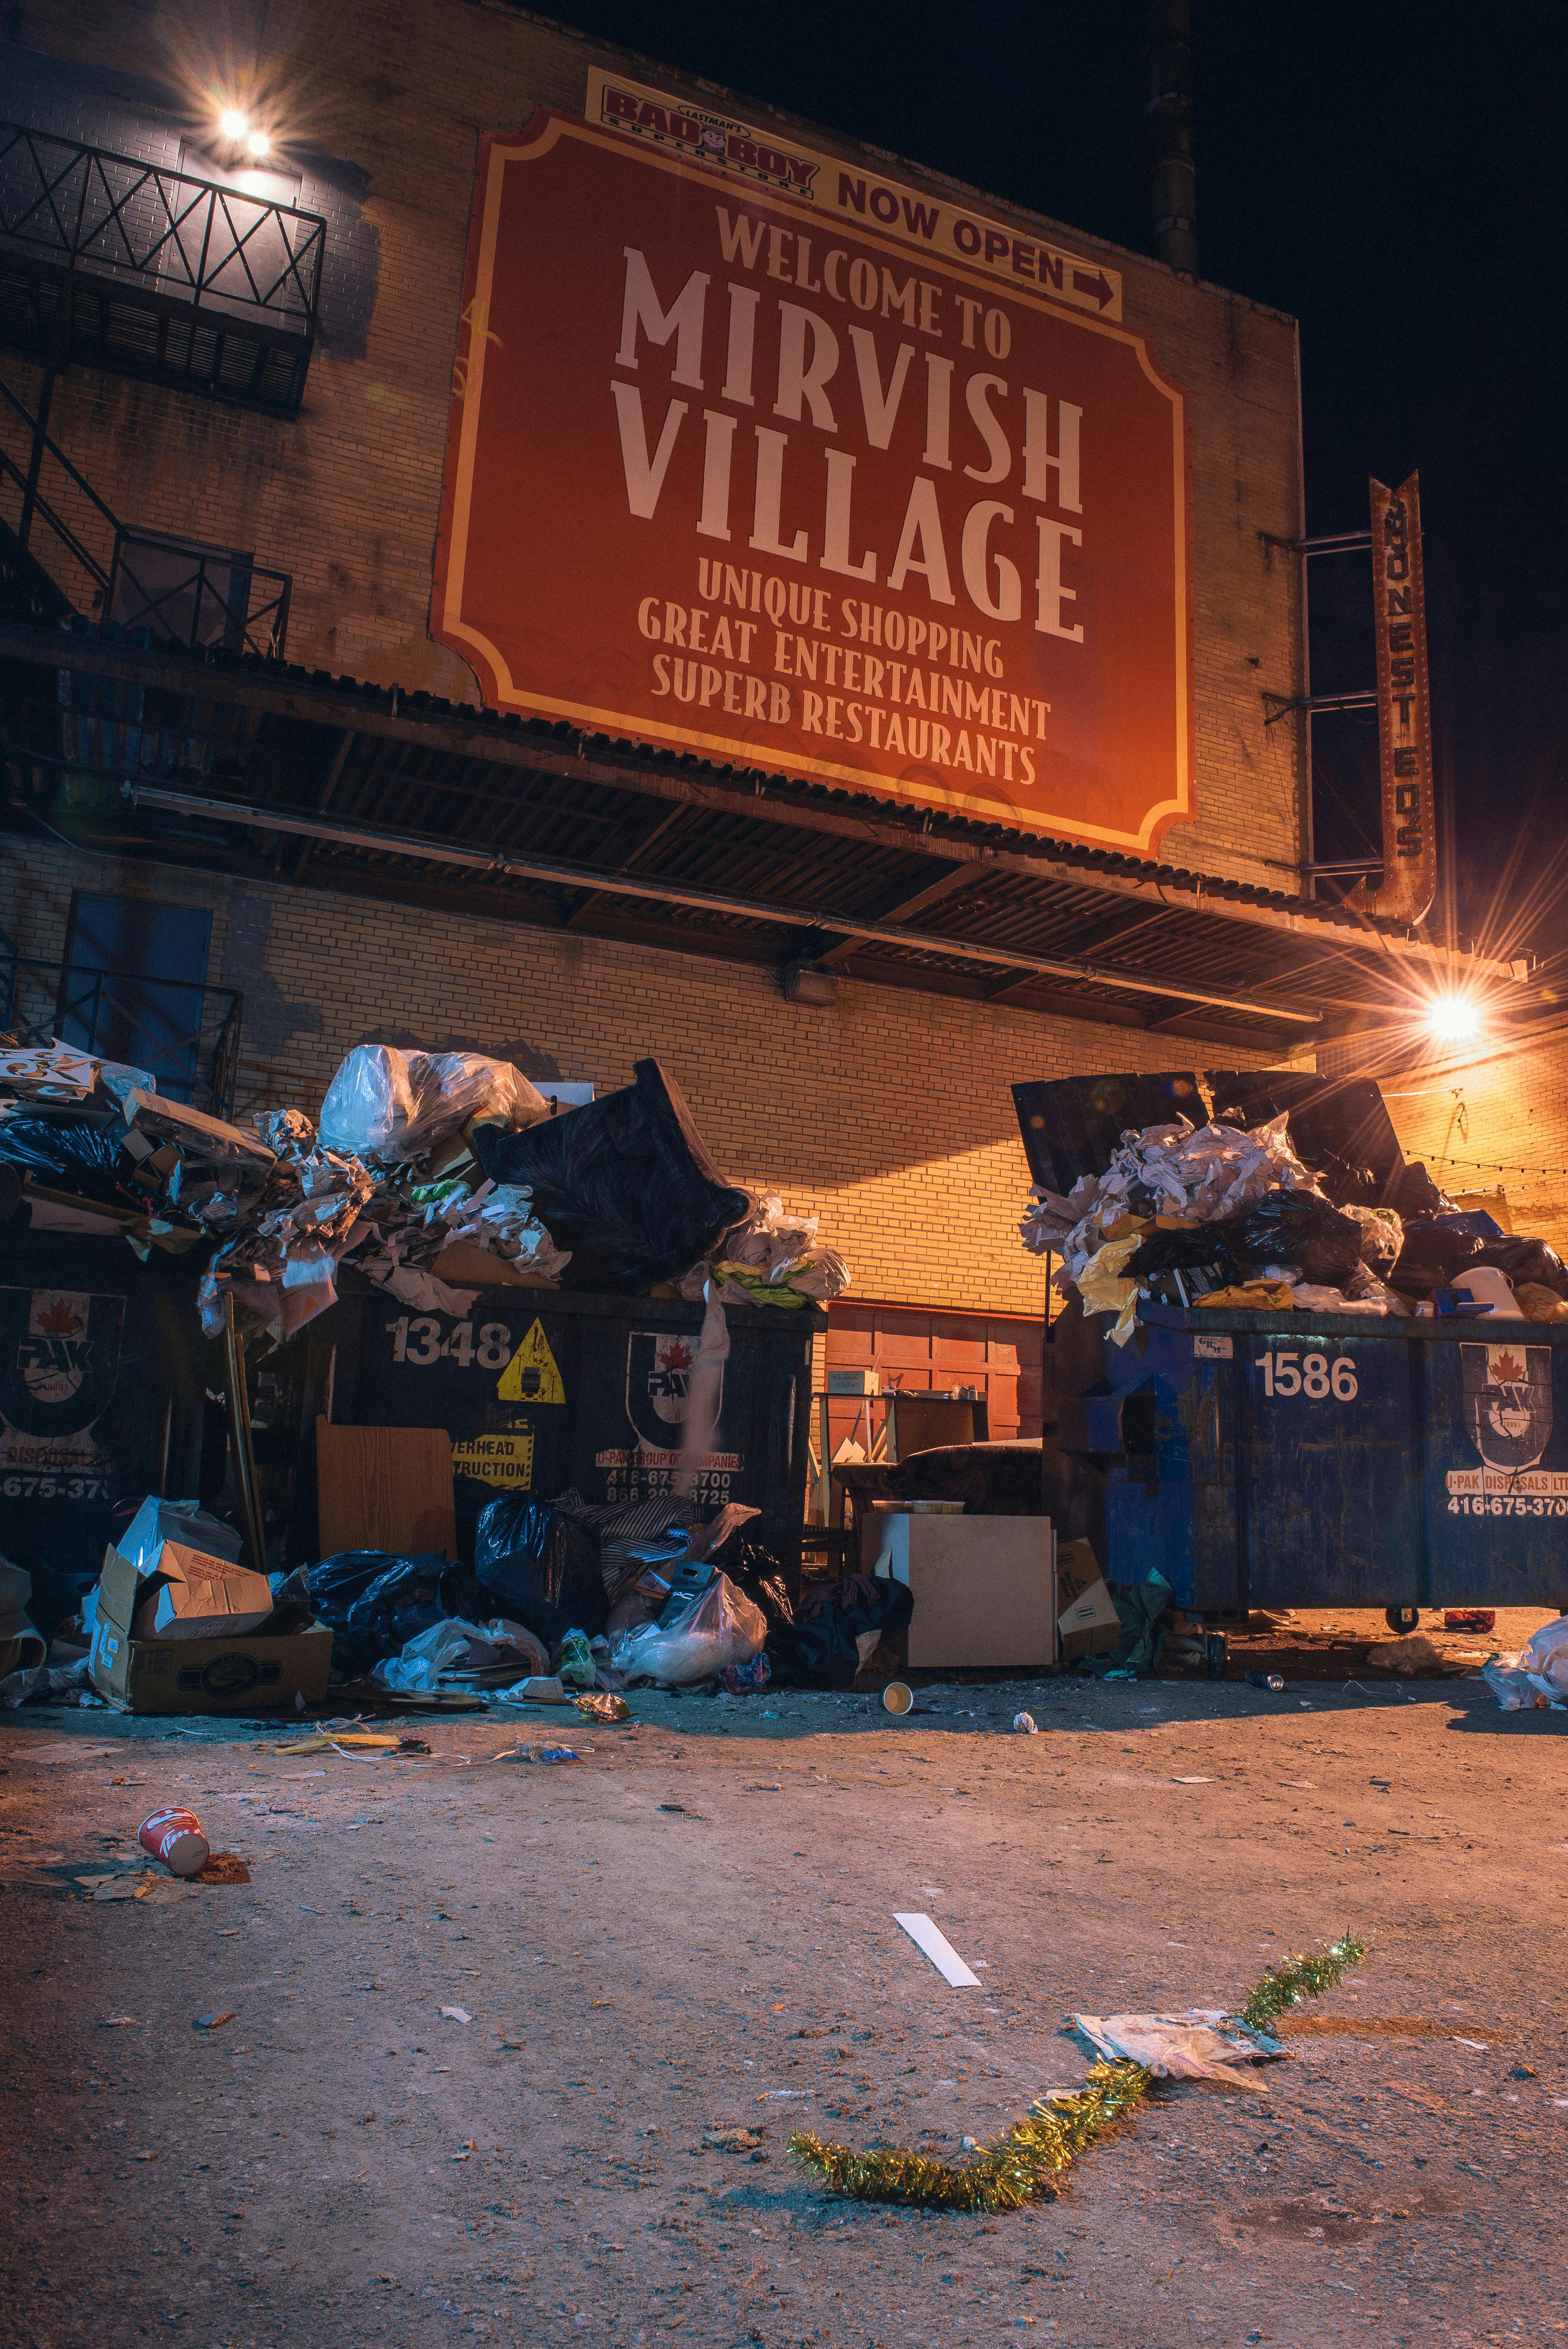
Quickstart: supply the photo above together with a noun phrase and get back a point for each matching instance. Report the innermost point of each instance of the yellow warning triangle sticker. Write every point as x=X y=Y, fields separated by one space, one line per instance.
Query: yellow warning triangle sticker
x=531 y=1375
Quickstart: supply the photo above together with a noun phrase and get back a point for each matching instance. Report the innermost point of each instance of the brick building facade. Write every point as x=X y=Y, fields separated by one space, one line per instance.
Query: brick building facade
x=886 y=1111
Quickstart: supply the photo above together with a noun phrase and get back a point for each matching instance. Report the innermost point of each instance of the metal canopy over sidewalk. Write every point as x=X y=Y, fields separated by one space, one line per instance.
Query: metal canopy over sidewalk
x=271 y=772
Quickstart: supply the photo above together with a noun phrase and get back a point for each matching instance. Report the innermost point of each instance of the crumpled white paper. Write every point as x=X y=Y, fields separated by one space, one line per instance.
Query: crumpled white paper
x=1201 y=1174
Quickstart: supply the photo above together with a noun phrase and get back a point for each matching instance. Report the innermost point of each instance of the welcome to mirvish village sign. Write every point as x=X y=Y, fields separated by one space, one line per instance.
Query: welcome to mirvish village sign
x=869 y=494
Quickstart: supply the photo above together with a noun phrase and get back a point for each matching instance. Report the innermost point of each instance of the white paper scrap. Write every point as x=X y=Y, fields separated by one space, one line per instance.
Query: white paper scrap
x=939 y=1949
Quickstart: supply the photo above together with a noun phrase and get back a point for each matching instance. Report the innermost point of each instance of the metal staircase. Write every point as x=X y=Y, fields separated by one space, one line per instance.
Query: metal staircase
x=65 y=557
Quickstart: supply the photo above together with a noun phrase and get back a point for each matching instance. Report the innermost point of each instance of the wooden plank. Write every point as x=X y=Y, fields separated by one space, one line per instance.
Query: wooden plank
x=385 y=1488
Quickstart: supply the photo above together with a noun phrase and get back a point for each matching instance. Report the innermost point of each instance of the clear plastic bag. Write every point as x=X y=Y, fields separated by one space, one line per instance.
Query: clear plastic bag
x=1546 y=1652
x=1382 y=1237
x=454 y=1643
x=383 y=1104
x=721 y=1627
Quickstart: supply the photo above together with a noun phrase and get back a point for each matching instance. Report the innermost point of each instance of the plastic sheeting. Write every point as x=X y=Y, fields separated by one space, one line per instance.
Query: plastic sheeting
x=1382 y=1237
x=383 y=1104
x=67 y=1152
x=375 y=1602
x=1546 y=1652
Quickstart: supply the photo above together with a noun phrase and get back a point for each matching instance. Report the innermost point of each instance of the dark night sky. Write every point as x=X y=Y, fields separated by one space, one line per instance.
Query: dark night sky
x=1396 y=177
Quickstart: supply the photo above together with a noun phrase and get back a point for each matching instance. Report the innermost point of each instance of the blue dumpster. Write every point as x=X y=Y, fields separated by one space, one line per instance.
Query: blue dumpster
x=1295 y=1459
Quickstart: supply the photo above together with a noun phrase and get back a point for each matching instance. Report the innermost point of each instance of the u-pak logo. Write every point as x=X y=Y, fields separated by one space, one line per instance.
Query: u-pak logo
x=59 y=1357
x=1508 y=1402
x=659 y=1364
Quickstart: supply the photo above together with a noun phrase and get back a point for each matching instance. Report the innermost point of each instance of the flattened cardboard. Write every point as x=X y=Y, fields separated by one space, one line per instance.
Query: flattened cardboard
x=465 y=1265
x=209 y=1138
x=223 y=1675
x=1086 y=1617
x=984 y=1588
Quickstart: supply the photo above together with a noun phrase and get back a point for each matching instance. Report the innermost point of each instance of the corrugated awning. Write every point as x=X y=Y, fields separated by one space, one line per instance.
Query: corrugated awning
x=268 y=772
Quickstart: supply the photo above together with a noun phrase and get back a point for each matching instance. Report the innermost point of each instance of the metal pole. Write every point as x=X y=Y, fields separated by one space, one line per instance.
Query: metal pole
x=237 y=1404
x=1172 y=173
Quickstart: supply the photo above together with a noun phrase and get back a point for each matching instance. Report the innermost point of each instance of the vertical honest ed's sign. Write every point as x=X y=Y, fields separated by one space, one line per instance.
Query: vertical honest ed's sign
x=731 y=472
x=1404 y=703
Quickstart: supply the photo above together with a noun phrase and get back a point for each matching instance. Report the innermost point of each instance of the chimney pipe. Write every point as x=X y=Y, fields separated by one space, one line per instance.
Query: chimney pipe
x=1172 y=175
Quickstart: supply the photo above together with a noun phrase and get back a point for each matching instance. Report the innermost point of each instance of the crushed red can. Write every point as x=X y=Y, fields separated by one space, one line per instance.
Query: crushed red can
x=176 y=1838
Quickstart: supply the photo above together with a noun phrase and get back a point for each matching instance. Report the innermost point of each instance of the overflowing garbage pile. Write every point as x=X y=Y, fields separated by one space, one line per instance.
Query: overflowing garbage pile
x=566 y=1597
x=435 y=1174
x=1222 y=1215
x=565 y=1602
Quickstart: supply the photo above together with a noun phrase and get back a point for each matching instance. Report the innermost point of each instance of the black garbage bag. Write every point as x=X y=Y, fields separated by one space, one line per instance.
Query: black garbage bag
x=375 y=1602
x=1299 y=1230
x=67 y=1153
x=1417 y=1195
x=1206 y=1247
x=819 y=1649
x=760 y=1575
x=1430 y=1256
x=291 y=1607
x=626 y=1184
x=539 y=1564
x=1526 y=1259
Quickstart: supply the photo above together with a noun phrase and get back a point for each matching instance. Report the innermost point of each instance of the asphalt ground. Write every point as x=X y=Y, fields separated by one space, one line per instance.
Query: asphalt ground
x=692 y=1931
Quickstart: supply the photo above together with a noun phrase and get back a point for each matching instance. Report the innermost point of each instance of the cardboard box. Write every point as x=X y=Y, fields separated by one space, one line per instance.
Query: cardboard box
x=985 y=1589
x=195 y=1596
x=1086 y=1612
x=228 y=1674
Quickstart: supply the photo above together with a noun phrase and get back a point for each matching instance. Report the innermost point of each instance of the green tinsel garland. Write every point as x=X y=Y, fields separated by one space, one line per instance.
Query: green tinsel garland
x=1029 y=2164
x=1022 y=2167
x=1286 y=1985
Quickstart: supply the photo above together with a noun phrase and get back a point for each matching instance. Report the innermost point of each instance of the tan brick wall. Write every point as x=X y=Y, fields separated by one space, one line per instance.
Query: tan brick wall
x=1497 y=1124
x=888 y=1114
x=346 y=496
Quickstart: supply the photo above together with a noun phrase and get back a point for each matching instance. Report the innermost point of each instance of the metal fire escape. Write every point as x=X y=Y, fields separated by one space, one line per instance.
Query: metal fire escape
x=65 y=558
x=110 y=263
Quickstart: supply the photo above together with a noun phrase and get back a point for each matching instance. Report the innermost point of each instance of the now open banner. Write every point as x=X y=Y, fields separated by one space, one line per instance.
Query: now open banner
x=727 y=474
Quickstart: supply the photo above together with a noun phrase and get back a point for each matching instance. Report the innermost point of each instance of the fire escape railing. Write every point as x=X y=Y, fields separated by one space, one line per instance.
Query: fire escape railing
x=208 y=598
x=186 y=1036
x=110 y=261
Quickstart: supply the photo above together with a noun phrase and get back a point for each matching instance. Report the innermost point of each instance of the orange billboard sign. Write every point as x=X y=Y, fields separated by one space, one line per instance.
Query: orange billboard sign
x=726 y=476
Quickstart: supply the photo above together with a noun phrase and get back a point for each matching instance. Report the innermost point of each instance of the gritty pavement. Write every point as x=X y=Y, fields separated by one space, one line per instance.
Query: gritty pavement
x=692 y=1933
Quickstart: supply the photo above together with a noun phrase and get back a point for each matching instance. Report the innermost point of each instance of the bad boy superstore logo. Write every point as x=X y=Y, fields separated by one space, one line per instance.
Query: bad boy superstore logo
x=1506 y=1398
